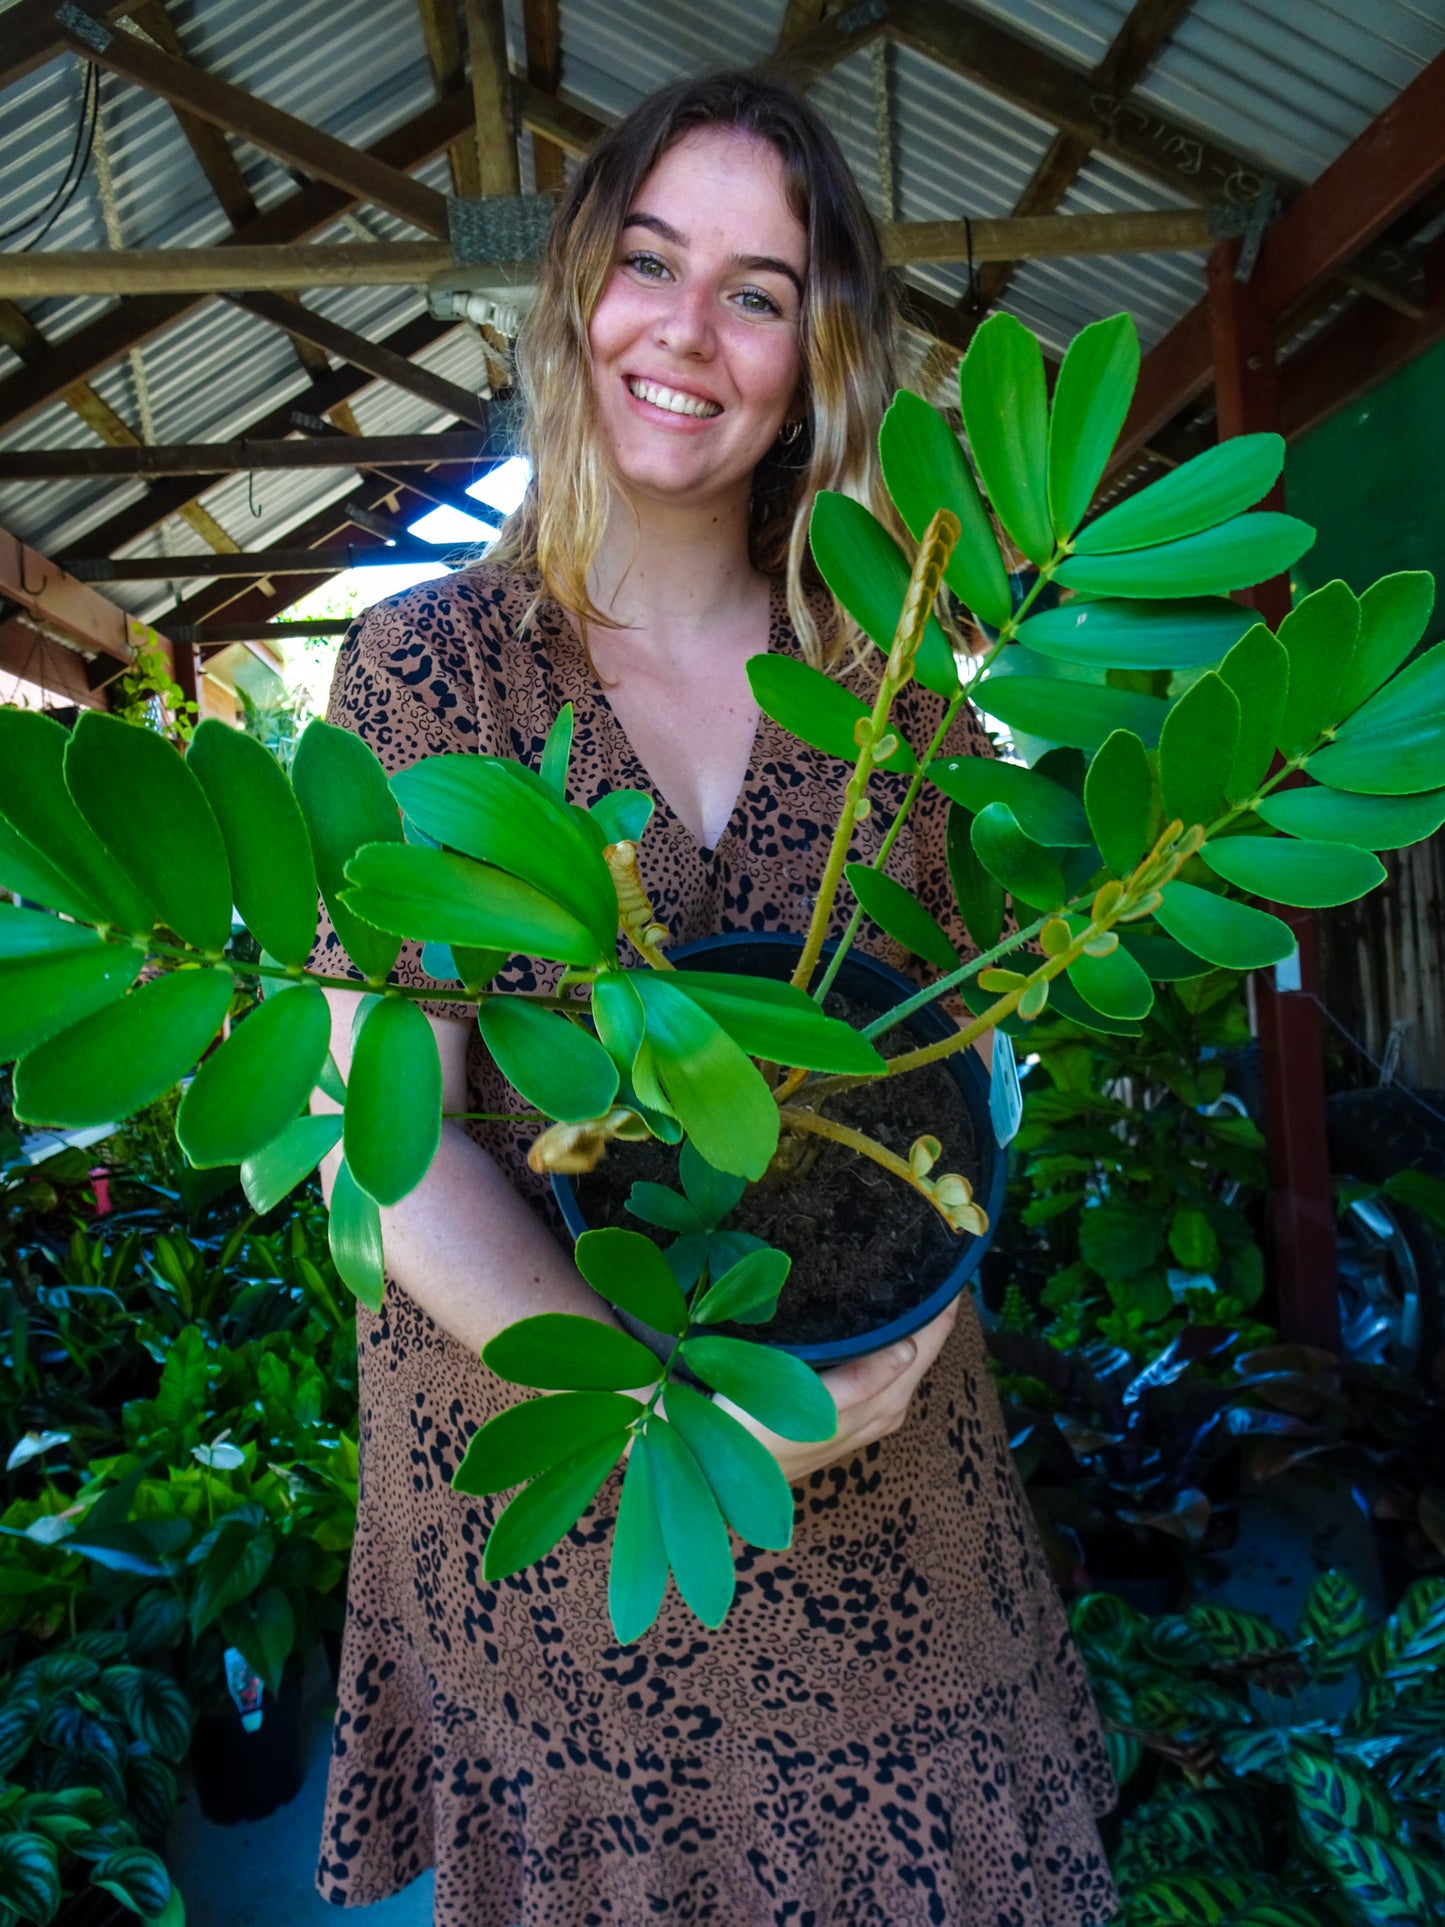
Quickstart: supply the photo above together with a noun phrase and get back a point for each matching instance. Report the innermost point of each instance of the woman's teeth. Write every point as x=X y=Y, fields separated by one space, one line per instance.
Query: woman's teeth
x=671 y=400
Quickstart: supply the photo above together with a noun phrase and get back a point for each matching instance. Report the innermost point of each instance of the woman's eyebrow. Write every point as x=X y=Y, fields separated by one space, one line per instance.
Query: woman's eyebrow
x=755 y=263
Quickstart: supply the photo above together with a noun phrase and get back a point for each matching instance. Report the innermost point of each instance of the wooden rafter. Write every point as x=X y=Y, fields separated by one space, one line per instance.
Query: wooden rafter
x=32 y=36
x=800 y=17
x=542 y=28
x=448 y=71
x=207 y=142
x=289 y=560
x=492 y=101
x=232 y=458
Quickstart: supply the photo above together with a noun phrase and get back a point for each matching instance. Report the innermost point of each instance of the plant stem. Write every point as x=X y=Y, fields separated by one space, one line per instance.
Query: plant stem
x=176 y=953
x=812 y=1125
x=922 y=998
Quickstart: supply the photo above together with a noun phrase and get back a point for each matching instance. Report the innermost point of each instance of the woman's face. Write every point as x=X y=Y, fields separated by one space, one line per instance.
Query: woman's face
x=695 y=340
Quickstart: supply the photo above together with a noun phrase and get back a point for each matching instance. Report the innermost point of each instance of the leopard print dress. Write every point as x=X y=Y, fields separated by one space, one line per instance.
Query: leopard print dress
x=893 y=1725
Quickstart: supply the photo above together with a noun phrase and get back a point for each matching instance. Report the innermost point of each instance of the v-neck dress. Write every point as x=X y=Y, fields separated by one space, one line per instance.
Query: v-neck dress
x=893 y=1725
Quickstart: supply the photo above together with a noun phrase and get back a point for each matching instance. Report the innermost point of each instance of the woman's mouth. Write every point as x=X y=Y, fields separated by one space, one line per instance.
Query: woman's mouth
x=671 y=399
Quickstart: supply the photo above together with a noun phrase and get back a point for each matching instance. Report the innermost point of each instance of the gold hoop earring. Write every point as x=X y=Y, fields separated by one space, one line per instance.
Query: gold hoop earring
x=789 y=433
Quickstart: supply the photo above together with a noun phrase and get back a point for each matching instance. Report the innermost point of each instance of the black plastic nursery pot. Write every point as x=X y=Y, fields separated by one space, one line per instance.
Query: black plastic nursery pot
x=877 y=988
x=245 y=1776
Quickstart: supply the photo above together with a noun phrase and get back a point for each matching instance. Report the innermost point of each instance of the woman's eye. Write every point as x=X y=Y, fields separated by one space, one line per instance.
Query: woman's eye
x=756 y=302
x=649 y=265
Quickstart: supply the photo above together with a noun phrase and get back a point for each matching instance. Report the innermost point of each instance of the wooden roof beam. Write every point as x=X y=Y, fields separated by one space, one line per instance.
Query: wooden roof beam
x=207 y=142
x=232 y=458
x=69 y=610
x=32 y=37
x=448 y=70
x=542 y=29
x=289 y=560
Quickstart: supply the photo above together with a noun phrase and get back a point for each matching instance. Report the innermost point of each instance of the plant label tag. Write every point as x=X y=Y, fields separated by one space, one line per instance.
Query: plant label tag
x=1005 y=1099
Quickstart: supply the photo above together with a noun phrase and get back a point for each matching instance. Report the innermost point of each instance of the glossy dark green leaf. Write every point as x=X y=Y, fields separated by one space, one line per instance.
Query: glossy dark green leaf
x=637 y=1577
x=654 y=1204
x=28 y=874
x=1113 y=985
x=713 y=1194
x=869 y=573
x=39 y=808
x=556 y=1351
x=341 y=789
x=106 y=1067
x=745 y=1478
x=1077 y=714
x=1005 y=405
x=1339 y=816
x=235 y=1566
x=1394 y=613
x=925 y=470
x=623 y=815
x=532 y=1437
x=747 y=1290
x=1252 y=548
x=1318 y=636
x=779 y=1390
x=815 y=708
x=271 y=1174
x=273 y=873
x=1161 y=959
x=1118 y=794
x=488 y=809
x=1395 y=744
x=1046 y=811
x=1235 y=935
x=1282 y=870
x=354 y=1230
x=716 y=1091
x=443 y=898
x=393 y=1101
x=1197 y=749
x=1257 y=670
x=693 y=1532
x=53 y=974
x=1199 y=494
x=777 y=1022
x=547 y=1509
x=1092 y=392
x=1137 y=635
x=263 y=1630
x=560 y=1069
x=557 y=751
x=157 y=1708
x=901 y=916
x=30 y=1886
x=248 y=1091
x=1025 y=870
x=979 y=898
x=628 y=1270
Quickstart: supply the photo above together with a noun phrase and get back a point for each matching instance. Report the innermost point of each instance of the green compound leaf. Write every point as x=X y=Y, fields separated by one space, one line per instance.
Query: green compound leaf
x=622 y=815
x=816 y=709
x=1213 y=488
x=547 y=1509
x=1161 y=959
x=1257 y=670
x=442 y=898
x=655 y=1204
x=354 y=1233
x=1395 y=744
x=629 y=1270
x=341 y=789
x=28 y=874
x=747 y=1291
x=926 y=470
x=559 y=1352
x=53 y=974
x=560 y=1069
x=868 y=573
x=1078 y=715
x=637 y=1578
x=714 y=1088
x=1394 y=613
x=1024 y=869
x=712 y=1194
x=1197 y=748
x=534 y=1436
x=1340 y=816
x=1113 y=985
x=1312 y=875
x=246 y=1094
x=777 y=1022
x=979 y=898
x=1004 y=398
x=103 y=1069
x=899 y=914
x=1319 y=637
x=557 y=752
x=1252 y=548
x=39 y=809
x=1045 y=810
x=779 y=1390
x=1137 y=635
x=1233 y=935
x=693 y=1532
x=1091 y=398
x=273 y=873
x=393 y=1100
x=1119 y=798
x=745 y=1478
x=271 y=1174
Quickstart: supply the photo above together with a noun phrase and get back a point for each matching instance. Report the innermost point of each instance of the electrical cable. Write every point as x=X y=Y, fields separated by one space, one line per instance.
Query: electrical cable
x=75 y=168
x=1374 y=1062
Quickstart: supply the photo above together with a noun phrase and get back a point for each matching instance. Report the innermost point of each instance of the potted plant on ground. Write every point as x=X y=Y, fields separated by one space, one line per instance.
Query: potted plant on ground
x=145 y=853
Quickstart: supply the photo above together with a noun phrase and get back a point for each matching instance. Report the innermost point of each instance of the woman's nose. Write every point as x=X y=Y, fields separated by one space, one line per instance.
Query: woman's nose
x=685 y=325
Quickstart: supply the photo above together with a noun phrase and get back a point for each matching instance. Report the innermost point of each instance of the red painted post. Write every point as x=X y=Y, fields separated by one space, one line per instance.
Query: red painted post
x=1287 y=1019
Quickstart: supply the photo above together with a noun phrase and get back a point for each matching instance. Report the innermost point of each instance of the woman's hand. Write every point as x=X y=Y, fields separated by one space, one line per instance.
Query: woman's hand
x=872 y=1395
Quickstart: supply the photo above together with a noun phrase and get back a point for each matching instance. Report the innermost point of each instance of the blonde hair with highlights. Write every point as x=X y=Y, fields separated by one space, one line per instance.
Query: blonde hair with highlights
x=846 y=345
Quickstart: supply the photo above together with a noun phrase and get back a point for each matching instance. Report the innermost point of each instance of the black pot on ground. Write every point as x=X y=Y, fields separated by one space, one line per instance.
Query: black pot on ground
x=245 y=1776
x=877 y=988
x=1146 y=1572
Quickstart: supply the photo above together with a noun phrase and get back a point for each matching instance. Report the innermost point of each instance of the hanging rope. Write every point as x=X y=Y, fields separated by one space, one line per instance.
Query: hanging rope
x=880 y=54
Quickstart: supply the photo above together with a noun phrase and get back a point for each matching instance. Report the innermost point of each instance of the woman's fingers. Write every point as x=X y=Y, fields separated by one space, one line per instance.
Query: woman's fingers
x=896 y=1369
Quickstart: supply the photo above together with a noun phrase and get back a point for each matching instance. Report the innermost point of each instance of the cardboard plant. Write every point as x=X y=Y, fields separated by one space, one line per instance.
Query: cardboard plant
x=1163 y=724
